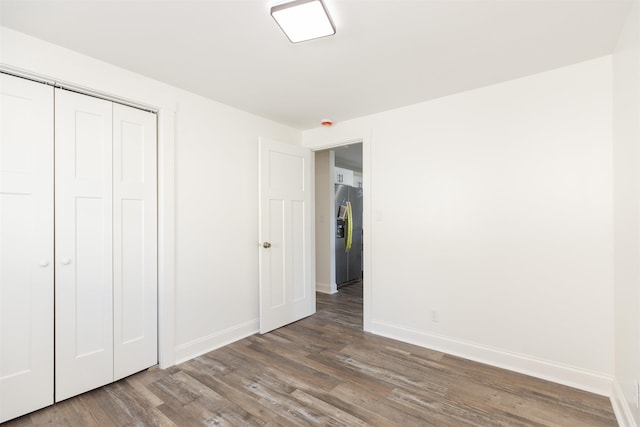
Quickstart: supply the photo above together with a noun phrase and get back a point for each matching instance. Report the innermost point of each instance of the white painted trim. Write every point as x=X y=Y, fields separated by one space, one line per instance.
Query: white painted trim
x=332 y=145
x=571 y=376
x=18 y=72
x=325 y=288
x=166 y=237
x=216 y=340
x=367 y=230
x=312 y=219
x=331 y=195
x=621 y=407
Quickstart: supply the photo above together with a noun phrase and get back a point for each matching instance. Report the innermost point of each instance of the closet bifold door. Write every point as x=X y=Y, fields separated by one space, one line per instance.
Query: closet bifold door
x=26 y=246
x=134 y=240
x=83 y=243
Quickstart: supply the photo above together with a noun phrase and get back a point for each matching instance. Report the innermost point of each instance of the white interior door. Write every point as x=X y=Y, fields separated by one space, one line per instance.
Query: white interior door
x=26 y=246
x=134 y=241
x=287 y=290
x=83 y=245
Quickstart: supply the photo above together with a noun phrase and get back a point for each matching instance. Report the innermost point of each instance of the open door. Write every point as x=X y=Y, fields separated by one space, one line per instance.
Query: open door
x=287 y=291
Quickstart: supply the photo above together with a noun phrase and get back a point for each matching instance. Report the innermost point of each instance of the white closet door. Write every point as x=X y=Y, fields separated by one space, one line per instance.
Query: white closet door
x=83 y=191
x=26 y=246
x=134 y=241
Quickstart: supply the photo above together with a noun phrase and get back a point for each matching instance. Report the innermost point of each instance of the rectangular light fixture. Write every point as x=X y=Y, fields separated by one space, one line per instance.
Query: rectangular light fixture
x=303 y=20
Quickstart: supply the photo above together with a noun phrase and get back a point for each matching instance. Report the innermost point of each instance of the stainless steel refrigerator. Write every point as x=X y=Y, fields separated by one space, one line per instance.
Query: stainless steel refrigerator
x=348 y=263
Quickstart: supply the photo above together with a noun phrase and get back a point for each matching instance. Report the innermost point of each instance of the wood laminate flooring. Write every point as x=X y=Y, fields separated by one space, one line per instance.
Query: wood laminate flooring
x=324 y=370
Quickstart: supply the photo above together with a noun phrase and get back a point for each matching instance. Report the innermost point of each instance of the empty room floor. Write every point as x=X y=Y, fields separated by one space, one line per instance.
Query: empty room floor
x=324 y=370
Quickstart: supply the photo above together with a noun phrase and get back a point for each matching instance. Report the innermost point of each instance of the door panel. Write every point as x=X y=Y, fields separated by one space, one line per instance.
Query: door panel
x=135 y=241
x=298 y=250
x=84 y=310
x=286 y=267
x=91 y=267
x=275 y=260
x=26 y=246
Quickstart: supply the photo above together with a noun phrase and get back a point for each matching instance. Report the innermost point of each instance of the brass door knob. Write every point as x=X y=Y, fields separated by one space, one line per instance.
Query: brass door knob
x=266 y=245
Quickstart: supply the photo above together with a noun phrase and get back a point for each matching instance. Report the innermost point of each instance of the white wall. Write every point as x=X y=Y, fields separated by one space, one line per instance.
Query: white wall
x=626 y=83
x=499 y=217
x=325 y=241
x=494 y=207
x=217 y=223
x=212 y=297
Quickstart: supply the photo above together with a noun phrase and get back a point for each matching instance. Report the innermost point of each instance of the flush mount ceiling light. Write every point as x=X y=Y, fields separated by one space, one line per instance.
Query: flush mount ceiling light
x=303 y=20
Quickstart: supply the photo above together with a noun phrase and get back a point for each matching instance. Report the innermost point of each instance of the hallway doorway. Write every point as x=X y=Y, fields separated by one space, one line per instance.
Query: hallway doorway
x=339 y=217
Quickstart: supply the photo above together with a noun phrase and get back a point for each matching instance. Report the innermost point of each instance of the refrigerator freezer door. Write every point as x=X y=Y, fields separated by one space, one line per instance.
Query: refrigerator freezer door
x=355 y=254
x=341 y=196
x=349 y=264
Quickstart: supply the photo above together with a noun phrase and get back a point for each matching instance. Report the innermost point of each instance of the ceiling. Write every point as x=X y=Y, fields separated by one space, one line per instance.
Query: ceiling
x=385 y=54
x=349 y=157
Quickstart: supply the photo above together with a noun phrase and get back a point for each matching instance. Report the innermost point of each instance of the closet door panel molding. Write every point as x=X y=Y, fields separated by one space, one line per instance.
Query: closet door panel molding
x=83 y=191
x=135 y=241
x=26 y=246
x=80 y=311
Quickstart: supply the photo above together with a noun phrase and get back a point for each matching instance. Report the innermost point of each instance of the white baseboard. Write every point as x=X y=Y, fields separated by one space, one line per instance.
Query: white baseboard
x=563 y=374
x=216 y=340
x=325 y=288
x=621 y=407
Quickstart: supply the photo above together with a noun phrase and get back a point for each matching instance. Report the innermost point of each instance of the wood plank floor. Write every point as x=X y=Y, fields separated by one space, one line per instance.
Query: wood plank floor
x=324 y=370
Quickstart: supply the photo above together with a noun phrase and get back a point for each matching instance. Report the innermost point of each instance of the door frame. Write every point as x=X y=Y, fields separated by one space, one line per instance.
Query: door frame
x=367 y=218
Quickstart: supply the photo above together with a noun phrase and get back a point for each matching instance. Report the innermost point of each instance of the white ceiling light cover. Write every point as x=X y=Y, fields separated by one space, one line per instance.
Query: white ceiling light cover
x=303 y=20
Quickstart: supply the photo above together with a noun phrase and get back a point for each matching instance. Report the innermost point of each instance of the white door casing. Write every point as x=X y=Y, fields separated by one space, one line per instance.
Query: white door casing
x=135 y=243
x=287 y=288
x=26 y=246
x=83 y=245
